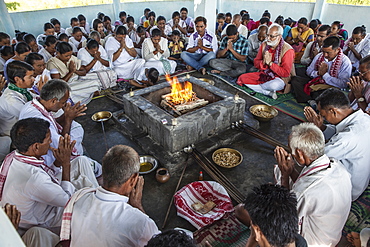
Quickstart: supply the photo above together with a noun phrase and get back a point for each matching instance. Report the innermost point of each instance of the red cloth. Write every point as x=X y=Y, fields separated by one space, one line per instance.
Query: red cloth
x=202 y=191
x=279 y=71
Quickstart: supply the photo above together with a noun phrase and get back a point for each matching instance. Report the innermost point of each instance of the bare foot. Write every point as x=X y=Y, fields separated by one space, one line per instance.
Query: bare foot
x=203 y=71
x=188 y=67
x=215 y=71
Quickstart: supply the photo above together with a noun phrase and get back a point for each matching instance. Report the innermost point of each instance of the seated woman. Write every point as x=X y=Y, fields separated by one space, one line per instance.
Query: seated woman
x=108 y=27
x=48 y=30
x=49 y=50
x=299 y=37
x=95 y=36
x=6 y=52
x=57 y=28
x=138 y=38
x=358 y=46
x=151 y=22
x=98 y=26
x=67 y=67
x=95 y=59
x=336 y=30
x=21 y=50
x=63 y=37
x=76 y=39
x=41 y=74
x=156 y=53
x=31 y=41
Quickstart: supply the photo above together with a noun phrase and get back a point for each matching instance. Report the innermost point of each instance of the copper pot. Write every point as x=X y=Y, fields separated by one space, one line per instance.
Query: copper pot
x=162 y=175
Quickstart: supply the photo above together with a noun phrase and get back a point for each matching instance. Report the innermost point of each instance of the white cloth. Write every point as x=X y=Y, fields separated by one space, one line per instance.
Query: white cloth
x=125 y=65
x=268 y=87
x=343 y=75
x=181 y=24
x=363 y=48
x=39 y=236
x=324 y=201
x=8 y=235
x=116 y=223
x=242 y=30
x=305 y=59
x=45 y=73
x=5 y=143
x=69 y=30
x=2 y=63
x=167 y=30
x=11 y=104
x=41 y=39
x=349 y=142
x=37 y=197
x=76 y=43
x=364 y=236
x=45 y=54
x=209 y=41
x=132 y=31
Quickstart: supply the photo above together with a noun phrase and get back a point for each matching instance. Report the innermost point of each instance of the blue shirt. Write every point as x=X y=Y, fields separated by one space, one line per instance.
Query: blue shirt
x=240 y=46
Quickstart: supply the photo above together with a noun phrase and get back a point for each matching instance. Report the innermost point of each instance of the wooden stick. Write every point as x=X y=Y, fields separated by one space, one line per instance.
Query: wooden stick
x=177 y=187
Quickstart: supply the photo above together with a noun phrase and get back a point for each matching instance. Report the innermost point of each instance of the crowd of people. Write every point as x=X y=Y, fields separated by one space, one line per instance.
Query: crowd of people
x=53 y=194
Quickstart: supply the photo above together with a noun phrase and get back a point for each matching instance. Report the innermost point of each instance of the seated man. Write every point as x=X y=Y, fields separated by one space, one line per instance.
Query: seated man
x=177 y=24
x=53 y=96
x=201 y=48
x=171 y=238
x=329 y=68
x=122 y=54
x=348 y=140
x=271 y=211
x=231 y=56
x=16 y=94
x=27 y=182
x=95 y=58
x=237 y=21
x=275 y=62
x=254 y=43
x=323 y=187
x=114 y=209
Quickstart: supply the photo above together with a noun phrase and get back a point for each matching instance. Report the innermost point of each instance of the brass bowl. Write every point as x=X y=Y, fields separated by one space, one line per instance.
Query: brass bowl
x=147 y=164
x=101 y=116
x=209 y=81
x=231 y=150
x=263 y=112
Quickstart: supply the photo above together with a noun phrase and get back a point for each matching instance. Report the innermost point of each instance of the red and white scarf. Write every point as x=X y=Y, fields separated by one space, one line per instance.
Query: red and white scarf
x=333 y=71
x=268 y=74
x=65 y=231
x=30 y=160
x=35 y=103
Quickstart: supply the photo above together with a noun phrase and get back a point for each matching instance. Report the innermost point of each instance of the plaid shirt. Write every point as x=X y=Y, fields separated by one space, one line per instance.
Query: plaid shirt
x=240 y=46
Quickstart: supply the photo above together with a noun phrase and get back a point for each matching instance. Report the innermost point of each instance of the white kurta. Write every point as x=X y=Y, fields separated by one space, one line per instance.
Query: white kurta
x=37 y=197
x=324 y=201
x=45 y=54
x=107 y=76
x=76 y=43
x=363 y=47
x=116 y=223
x=181 y=24
x=11 y=104
x=349 y=143
x=125 y=65
x=154 y=61
x=242 y=30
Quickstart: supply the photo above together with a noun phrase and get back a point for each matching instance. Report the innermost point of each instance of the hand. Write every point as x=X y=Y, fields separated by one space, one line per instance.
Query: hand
x=41 y=83
x=136 y=194
x=229 y=45
x=72 y=67
x=63 y=153
x=13 y=214
x=2 y=82
x=323 y=68
x=315 y=51
x=71 y=112
x=267 y=57
x=97 y=55
x=285 y=161
x=356 y=86
x=200 y=42
x=157 y=47
x=351 y=45
x=300 y=39
x=123 y=43
x=313 y=117
x=109 y=27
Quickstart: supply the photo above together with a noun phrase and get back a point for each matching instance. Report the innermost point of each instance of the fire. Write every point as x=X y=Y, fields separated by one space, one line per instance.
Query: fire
x=180 y=94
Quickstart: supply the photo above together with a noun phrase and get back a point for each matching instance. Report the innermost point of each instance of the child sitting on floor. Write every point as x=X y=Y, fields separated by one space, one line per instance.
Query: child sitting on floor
x=152 y=77
x=176 y=46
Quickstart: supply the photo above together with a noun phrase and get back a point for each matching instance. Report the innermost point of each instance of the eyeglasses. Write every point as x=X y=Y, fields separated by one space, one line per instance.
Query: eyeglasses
x=272 y=36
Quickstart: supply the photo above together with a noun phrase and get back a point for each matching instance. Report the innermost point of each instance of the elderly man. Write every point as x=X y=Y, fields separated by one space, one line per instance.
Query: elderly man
x=201 y=48
x=54 y=96
x=323 y=187
x=348 y=140
x=231 y=56
x=237 y=21
x=16 y=94
x=114 y=209
x=275 y=62
x=329 y=68
x=122 y=54
x=254 y=43
x=27 y=182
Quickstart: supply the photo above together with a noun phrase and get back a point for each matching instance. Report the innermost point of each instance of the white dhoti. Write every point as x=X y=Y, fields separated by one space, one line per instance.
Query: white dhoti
x=82 y=172
x=39 y=236
x=153 y=63
x=268 y=87
x=130 y=69
x=83 y=87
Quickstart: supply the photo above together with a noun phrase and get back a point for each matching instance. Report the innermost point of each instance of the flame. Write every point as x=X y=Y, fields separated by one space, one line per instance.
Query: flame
x=179 y=94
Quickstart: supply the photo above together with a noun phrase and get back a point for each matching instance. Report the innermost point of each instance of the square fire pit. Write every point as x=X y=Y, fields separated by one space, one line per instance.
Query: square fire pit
x=175 y=132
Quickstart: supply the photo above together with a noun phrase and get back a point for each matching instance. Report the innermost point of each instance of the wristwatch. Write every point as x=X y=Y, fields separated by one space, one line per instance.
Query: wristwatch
x=361 y=99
